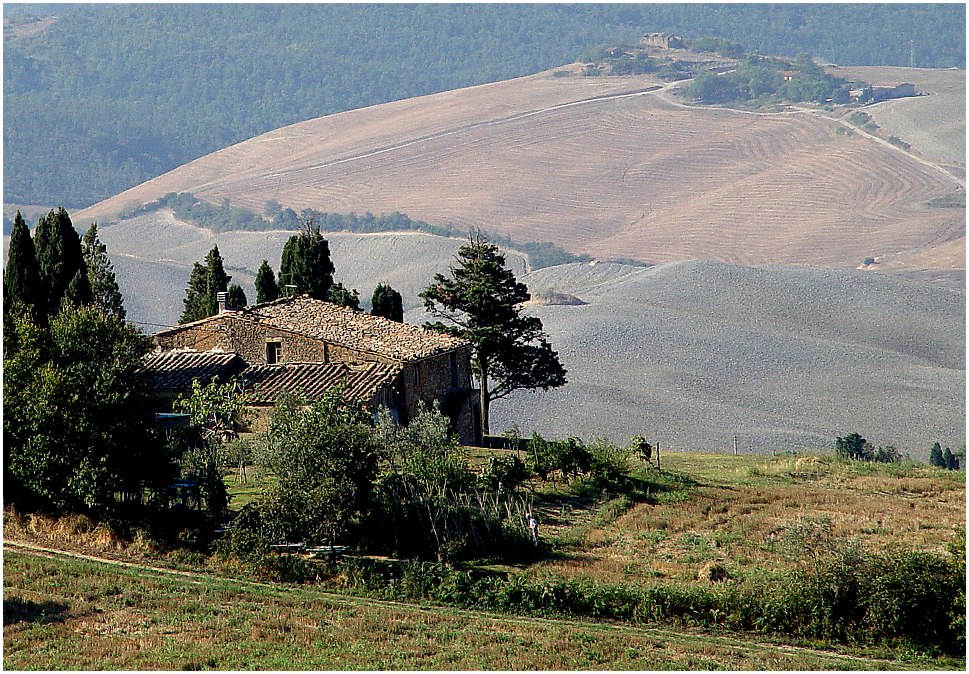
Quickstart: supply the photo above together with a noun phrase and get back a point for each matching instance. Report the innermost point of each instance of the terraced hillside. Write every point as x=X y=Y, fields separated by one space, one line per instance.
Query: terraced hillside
x=592 y=165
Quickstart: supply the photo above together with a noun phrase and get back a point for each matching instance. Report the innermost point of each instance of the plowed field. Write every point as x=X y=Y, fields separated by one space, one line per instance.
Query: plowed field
x=574 y=161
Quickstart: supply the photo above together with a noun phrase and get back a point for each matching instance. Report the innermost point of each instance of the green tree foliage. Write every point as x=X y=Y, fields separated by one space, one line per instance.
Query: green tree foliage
x=432 y=505
x=21 y=276
x=59 y=257
x=325 y=460
x=267 y=289
x=204 y=283
x=481 y=302
x=188 y=208
x=78 y=430
x=951 y=462
x=218 y=412
x=387 y=302
x=236 y=297
x=935 y=456
x=345 y=297
x=306 y=263
x=105 y=293
x=759 y=79
x=78 y=291
x=854 y=446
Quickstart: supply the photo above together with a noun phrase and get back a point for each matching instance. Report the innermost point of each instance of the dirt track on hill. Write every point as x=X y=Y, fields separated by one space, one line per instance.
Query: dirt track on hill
x=597 y=165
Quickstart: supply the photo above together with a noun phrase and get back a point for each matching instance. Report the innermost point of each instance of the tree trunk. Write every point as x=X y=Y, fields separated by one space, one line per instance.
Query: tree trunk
x=485 y=402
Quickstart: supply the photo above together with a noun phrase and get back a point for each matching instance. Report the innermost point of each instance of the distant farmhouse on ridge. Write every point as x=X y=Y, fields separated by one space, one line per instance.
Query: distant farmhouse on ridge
x=661 y=41
x=306 y=346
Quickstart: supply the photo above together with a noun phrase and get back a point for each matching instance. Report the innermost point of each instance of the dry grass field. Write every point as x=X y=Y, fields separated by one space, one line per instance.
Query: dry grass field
x=541 y=158
x=63 y=613
x=131 y=607
x=757 y=515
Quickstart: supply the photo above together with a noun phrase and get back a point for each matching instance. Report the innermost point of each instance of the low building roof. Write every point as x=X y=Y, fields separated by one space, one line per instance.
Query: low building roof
x=265 y=383
x=332 y=323
x=175 y=370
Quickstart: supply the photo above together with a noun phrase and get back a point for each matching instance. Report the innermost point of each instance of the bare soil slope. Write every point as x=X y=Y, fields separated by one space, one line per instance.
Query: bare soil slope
x=694 y=353
x=575 y=161
x=691 y=353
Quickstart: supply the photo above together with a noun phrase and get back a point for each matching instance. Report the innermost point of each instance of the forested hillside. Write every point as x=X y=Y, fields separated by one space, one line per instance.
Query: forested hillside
x=107 y=96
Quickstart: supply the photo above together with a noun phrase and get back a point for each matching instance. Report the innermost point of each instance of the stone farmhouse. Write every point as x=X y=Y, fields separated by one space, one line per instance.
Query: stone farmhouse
x=305 y=346
x=661 y=41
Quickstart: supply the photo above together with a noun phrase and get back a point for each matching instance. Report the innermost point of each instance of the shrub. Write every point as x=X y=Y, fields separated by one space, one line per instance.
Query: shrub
x=610 y=464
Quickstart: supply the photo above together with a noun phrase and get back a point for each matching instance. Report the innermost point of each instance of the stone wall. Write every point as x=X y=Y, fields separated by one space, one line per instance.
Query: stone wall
x=445 y=378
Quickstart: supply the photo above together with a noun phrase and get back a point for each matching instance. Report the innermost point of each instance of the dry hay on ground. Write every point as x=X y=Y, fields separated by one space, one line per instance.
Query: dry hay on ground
x=751 y=520
x=631 y=177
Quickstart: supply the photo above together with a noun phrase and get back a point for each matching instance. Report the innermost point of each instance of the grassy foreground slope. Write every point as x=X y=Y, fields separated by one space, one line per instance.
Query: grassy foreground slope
x=547 y=158
x=71 y=614
x=134 y=606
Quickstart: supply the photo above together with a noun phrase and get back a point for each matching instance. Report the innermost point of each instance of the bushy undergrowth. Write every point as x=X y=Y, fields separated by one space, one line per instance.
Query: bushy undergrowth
x=902 y=598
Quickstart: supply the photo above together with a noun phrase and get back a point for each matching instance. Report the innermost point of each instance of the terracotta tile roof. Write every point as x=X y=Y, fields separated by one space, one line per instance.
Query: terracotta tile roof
x=339 y=325
x=265 y=383
x=175 y=370
x=354 y=329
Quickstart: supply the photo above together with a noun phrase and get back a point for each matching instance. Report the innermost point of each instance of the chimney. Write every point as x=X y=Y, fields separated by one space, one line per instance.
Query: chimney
x=223 y=300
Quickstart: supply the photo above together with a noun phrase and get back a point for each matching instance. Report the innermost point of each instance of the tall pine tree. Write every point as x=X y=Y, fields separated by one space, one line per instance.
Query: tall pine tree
x=203 y=285
x=236 y=297
x=481 y=302
x=387 y=302
x=59 y=257
x=106 y=295
x=21 y=277
x=306 y=263
x=267 y=289
x=78 y=291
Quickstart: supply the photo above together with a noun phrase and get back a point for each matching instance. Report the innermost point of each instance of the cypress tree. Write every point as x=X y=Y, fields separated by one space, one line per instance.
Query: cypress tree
x=935 y=456
x=21 y=277
x=951 y=462
x=267 y=289
x=203 y=284
x=387 y=302
x=306 y=263
x=236 y=298
x=197 y=305
x=78 y=291
x=105 y=293
x=344 y=297
x=58 y=249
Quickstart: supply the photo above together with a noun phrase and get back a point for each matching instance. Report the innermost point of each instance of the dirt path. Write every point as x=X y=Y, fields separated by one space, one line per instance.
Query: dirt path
x=690 y=635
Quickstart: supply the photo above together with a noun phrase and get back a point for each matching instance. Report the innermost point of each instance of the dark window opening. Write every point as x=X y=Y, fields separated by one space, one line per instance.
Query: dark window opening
x=274 y=351
x=454 y=370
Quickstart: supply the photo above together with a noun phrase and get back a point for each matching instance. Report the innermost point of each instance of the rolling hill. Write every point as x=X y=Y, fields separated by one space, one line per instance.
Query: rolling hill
x=752 y=323
x=691 y=353
x=614 y=167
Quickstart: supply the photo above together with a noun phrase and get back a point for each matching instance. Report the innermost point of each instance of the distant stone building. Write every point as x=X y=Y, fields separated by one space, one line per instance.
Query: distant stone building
x=306 y=346
x=886 y=90
x=661 y=41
